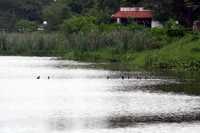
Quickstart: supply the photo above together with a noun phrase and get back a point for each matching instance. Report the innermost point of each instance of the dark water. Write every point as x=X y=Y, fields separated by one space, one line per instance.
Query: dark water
x=81 y=99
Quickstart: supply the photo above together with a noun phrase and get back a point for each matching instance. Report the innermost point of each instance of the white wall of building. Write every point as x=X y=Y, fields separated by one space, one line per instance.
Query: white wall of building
x=155 y=24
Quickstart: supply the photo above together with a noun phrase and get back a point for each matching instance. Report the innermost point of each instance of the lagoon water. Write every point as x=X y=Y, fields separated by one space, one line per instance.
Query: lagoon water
x=78 y=98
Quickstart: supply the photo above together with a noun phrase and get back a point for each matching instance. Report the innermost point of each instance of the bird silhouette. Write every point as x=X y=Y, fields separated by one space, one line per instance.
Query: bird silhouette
x=38 y=77
x=139 y=77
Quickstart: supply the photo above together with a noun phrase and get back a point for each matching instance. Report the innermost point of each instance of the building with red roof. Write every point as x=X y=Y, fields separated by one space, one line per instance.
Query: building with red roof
x=138 y=15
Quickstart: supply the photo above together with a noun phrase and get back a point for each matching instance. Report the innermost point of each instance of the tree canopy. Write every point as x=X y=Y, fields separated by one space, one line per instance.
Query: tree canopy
x=57 y=11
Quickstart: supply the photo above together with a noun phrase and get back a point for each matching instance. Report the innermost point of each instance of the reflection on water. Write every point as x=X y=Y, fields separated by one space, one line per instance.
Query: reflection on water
x=81 y=99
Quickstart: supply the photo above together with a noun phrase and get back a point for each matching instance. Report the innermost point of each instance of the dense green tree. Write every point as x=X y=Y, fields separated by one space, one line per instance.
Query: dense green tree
x=130 y=2
x=55 y=12
x=79 y=23
x=12 y=10
x=30 y=9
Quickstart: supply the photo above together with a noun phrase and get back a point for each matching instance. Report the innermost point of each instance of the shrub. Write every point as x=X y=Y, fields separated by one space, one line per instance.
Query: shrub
x=79 y=23
x=26 y=26
x=174 y=29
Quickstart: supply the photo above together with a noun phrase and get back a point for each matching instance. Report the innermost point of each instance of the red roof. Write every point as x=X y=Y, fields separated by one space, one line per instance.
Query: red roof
x=133 y=14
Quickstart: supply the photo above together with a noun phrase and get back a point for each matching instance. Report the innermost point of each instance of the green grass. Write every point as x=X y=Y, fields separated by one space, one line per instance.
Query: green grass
x=35 y=43
x=181 y=54
x=136 y=49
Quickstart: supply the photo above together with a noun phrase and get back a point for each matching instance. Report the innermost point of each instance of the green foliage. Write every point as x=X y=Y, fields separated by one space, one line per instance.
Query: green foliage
x=79 y=23
x=54 y=14
x=115 y=26
x=3 y=41
x=143 y=40
x=30 y=9
x=12 y=10
x=119 y=40
x=158 y=31
x=31 y=44
x=26 y=26
x=185 y=11
x=174 y=29
x=89 y=32
x=182 y=54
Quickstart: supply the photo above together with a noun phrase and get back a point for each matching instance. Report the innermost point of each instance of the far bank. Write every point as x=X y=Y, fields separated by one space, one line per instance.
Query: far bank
x=134 y=46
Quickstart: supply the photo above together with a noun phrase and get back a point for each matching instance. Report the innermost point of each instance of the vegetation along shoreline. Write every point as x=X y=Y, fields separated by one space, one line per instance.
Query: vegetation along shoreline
x=115 y=31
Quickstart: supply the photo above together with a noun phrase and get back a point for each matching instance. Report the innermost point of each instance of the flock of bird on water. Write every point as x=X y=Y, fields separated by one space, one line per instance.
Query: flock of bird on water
x=108 y=77
x=38 y=77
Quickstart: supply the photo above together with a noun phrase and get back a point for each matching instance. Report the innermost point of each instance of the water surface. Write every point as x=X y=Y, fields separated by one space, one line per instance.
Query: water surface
x=79 y=98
